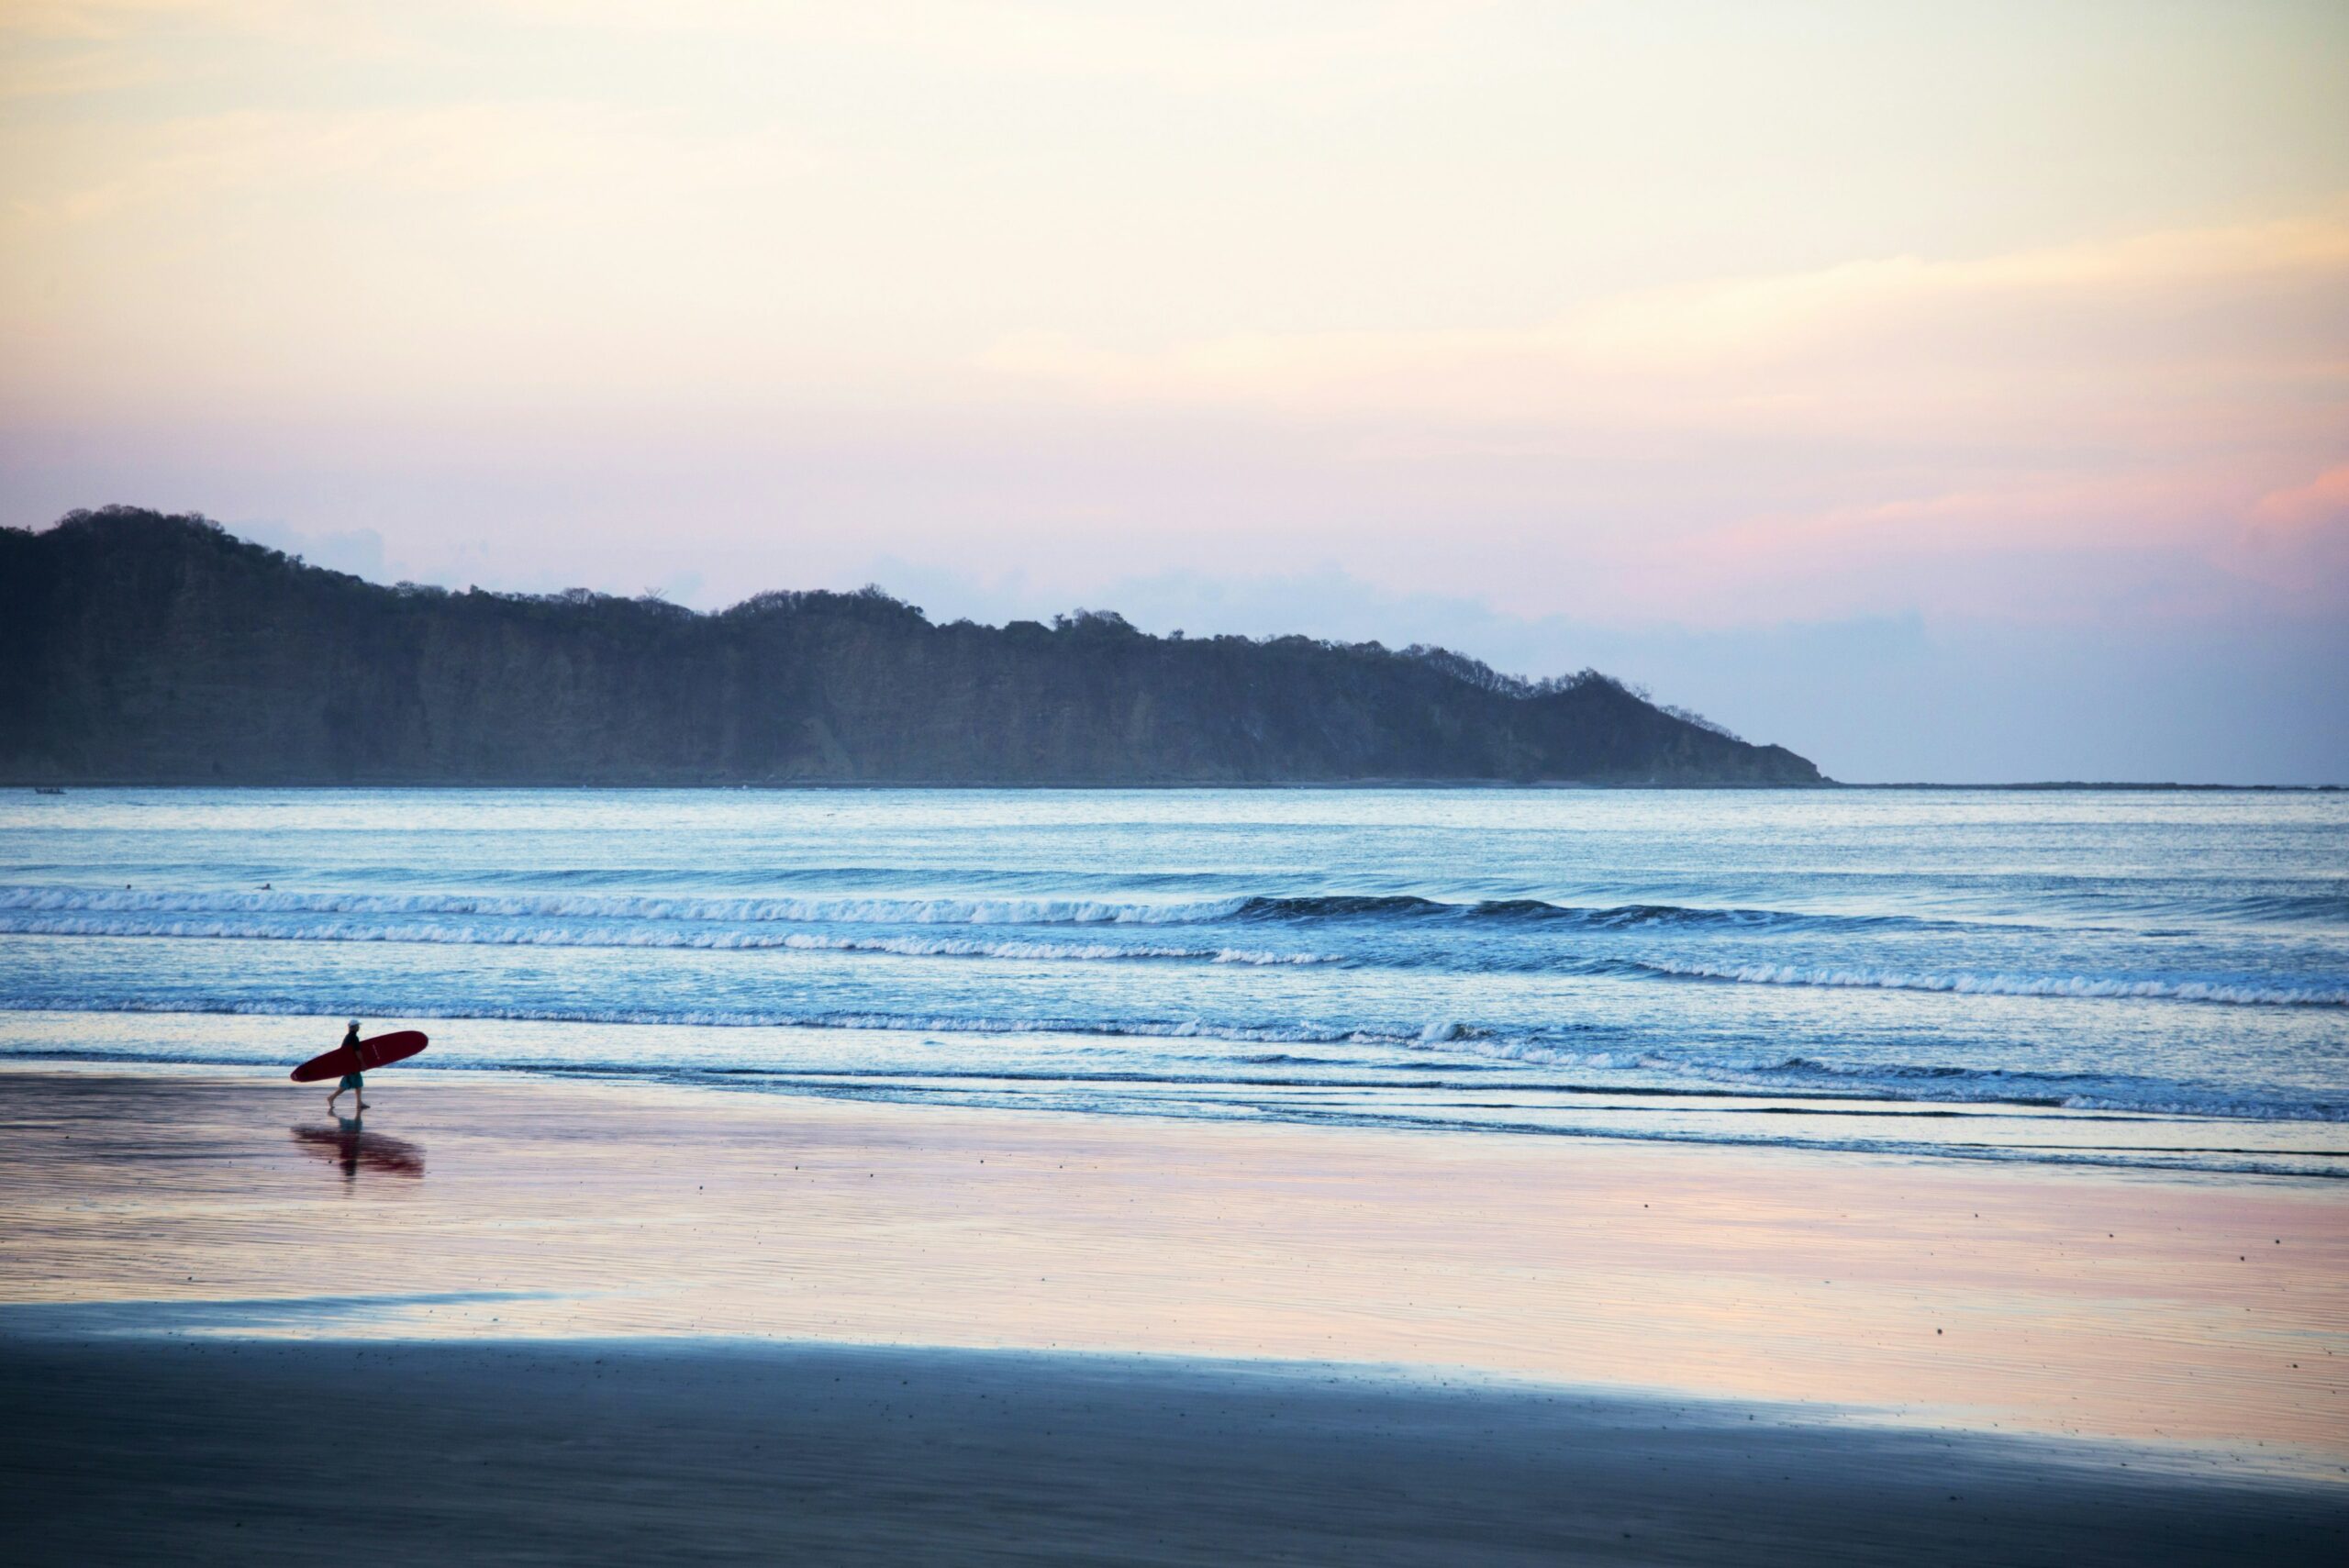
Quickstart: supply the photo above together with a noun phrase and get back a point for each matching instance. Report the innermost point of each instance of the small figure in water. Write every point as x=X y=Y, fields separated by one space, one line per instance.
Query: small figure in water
x=354 y=1081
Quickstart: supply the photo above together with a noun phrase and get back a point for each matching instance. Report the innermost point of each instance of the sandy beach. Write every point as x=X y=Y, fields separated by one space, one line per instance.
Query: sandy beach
x=628 y=1304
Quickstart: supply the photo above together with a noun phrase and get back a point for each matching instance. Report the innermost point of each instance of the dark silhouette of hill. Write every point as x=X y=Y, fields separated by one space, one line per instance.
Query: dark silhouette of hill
x=141 y=648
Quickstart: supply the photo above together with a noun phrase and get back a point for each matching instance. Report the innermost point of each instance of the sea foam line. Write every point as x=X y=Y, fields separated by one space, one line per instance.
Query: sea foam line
x=1922 y=1084
x=1302 y=1033
x=1961 y=983
x=625 y=906
x=638 y=937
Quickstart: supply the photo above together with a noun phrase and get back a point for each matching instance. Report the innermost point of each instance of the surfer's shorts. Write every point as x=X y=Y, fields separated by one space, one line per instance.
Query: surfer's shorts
x=352 y=1081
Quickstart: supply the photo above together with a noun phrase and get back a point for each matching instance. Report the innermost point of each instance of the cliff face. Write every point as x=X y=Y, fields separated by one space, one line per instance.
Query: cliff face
x=138 y=647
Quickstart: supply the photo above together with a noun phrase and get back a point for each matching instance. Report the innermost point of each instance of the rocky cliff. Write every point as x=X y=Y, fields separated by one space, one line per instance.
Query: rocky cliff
x=138 y=648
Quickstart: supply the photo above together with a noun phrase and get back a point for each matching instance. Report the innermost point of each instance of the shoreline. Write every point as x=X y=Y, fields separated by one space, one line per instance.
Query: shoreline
x=1848 y=1118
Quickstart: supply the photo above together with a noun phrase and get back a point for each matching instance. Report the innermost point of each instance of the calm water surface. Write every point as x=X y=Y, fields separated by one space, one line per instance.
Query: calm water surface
x=2132 y=979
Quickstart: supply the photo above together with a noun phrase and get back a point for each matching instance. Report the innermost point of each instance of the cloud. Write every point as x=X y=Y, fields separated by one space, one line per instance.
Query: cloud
x=189 y=164
x=100 y=19
x=1188 y=47
x=75 y=74
x=114 y=20
x=1796 y=350
x=2322 y=502
x=2036 y=433
x=2296 y=540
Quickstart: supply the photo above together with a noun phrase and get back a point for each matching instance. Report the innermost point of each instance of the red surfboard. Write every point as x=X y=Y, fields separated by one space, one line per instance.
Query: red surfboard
x=368 y=1055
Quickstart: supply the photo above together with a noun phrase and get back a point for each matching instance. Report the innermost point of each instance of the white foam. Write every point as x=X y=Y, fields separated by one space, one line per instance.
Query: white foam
x=1301 y=1033
x=1787 y=1076
x=518 y=935
x=830 y=909
x=2008 y=984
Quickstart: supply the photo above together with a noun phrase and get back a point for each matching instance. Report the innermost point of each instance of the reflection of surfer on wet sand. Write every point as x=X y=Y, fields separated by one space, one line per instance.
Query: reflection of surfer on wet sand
x=351 y=1147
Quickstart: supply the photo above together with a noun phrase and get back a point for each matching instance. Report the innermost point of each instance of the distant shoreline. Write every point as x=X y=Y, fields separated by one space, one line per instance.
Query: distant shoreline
x=1427 y=786
x=2114 y=787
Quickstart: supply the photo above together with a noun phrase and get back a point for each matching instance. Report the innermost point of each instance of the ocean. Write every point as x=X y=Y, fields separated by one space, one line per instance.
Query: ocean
x=2128 y=978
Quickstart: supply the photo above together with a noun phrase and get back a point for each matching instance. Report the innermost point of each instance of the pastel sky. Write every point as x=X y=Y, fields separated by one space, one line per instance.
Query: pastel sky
x=1953 y=392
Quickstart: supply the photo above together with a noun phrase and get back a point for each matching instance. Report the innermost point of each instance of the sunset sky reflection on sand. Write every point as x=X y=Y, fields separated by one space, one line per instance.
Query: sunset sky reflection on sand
x=2206 y=1311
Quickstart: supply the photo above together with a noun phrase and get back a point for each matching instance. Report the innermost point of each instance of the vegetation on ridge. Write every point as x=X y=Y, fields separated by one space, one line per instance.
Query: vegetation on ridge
x=137 y=647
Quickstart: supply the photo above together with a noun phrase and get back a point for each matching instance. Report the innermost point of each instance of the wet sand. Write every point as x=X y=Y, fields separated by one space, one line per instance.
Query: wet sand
x=1731 y=1355
x=247 y=1451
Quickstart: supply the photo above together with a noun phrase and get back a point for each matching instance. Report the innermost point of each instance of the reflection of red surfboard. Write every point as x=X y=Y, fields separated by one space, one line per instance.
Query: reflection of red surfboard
x=368 y=1055
x=373 y=1150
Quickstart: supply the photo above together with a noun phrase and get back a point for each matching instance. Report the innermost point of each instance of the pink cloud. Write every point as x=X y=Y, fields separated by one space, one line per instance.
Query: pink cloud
x=2322 y=503
x=2297 y=541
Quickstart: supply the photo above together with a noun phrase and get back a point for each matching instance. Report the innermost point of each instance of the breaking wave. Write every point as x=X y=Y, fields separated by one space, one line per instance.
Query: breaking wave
x=1405 y=907
x=858 y=909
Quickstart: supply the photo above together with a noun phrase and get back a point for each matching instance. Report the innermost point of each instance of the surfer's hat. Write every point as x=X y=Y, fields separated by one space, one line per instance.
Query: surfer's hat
x=354 y=1023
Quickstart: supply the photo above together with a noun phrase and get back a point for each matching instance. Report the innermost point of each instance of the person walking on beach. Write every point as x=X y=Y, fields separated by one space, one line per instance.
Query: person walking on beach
x=353 y=1080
